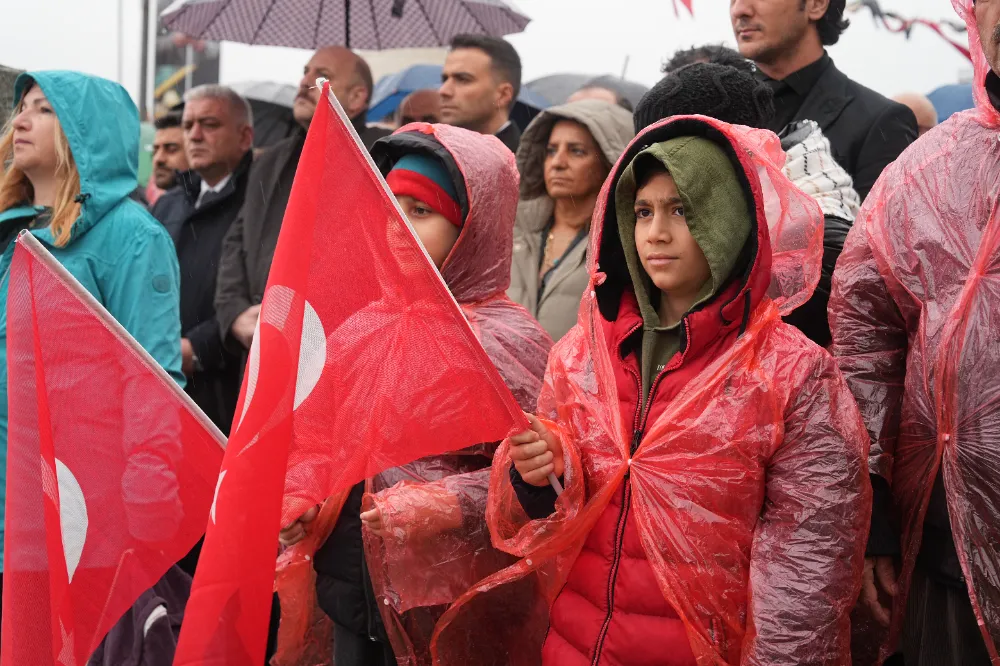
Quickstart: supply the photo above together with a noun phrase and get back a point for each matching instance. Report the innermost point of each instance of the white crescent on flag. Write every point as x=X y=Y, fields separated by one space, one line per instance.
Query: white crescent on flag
x=73 y=519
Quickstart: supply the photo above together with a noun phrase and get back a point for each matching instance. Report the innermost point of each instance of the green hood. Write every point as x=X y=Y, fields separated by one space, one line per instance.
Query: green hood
x=719 y=220
x=102 y=125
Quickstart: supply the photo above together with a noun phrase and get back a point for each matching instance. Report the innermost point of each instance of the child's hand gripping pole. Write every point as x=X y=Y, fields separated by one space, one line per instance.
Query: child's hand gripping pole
x=537 y=455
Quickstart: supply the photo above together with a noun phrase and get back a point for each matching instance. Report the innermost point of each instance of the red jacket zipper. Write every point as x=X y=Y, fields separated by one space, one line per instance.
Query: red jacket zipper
x=638 y=425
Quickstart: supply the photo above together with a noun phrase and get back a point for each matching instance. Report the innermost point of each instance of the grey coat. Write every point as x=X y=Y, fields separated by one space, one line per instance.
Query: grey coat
x=556 y=306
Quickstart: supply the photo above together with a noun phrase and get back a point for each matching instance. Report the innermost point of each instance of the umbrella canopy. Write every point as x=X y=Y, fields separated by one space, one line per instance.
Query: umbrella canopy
x=272 y=110
x=558 y=87
x=392 y=89
x=948 y=100
x=269 y=92
x=356 y=24
x=630 y=90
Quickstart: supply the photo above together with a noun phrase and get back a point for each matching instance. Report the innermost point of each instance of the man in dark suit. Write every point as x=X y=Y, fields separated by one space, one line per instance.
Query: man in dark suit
x=248 y=248
x=217 y=133
x=479 y=85
x=785 y=39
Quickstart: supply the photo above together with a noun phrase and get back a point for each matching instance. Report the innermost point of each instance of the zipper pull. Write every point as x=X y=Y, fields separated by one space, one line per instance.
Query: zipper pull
x=636 y=439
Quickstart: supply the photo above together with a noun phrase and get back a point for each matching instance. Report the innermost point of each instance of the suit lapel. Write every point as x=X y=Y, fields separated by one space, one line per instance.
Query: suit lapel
x=827 y=99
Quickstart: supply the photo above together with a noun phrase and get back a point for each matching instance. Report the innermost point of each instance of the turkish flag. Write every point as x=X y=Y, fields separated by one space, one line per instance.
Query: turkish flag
x=362 y=361
x=111 y=468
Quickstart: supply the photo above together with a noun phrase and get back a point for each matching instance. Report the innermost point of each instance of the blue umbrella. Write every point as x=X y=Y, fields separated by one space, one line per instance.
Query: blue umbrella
x=393 y=88
x=948 y=100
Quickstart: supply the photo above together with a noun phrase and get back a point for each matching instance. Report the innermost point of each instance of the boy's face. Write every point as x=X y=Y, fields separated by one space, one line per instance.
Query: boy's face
x=435 y=232
x=668 y=252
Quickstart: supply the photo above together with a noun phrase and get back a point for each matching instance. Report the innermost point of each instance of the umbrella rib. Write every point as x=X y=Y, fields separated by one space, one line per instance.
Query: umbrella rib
x=378 y=39
x=430 y=23
x=263 y=20
x=465 y=6
x=319 y=17
x=511 y=13
x=214 y=19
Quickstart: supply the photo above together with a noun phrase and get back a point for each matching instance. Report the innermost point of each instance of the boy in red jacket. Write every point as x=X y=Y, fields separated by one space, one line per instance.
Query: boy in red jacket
x=716 y=493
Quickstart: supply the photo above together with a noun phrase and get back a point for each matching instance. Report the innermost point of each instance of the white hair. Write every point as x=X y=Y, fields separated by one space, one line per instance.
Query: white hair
x=240 y=107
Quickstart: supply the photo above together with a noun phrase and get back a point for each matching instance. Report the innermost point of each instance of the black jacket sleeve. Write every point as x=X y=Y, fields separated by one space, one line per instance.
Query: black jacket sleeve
x=891 y=133
x=232 y=294
x=537 y=501
x=811 y=317
x=883 y=539
x=208 y=347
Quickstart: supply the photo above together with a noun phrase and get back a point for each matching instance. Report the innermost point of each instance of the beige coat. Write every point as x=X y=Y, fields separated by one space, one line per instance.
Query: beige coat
x=556 y=307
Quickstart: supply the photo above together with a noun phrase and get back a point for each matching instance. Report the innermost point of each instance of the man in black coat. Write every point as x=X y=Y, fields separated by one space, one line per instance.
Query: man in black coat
x=249 y=246
x=198 y=211
x=712 y=81
x=785 y=39
x=480 y=82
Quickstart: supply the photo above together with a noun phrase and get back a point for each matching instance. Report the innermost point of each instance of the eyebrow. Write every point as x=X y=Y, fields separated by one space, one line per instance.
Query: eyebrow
x=665 y=202
x=202 y=119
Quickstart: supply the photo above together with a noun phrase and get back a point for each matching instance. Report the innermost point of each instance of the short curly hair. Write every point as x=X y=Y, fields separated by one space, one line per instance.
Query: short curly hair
x=833 y=24
x=717 y=53
x=718 y=91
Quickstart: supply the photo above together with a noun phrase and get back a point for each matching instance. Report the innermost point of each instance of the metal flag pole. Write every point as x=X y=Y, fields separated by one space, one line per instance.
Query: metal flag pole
x=121 y=45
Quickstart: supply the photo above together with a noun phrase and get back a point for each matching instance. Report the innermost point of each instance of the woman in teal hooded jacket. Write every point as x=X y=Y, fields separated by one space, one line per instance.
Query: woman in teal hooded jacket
x=71 y=152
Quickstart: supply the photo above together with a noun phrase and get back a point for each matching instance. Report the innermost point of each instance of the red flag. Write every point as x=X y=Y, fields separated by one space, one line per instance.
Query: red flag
x=362 y=361
x=110 y=474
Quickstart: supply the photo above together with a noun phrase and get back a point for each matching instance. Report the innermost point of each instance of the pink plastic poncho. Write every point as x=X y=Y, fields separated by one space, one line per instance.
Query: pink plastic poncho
x=915 y=312
x=436 y=514
x=750 y=491
x=437 y=544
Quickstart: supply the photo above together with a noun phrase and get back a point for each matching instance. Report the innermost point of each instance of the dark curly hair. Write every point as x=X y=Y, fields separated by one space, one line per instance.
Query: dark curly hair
x=717 y=53
x=708 y=89
x=833 y=24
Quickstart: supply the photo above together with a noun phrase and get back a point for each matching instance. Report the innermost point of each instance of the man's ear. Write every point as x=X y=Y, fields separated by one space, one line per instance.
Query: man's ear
x=357 y=100
x=816 y=9
x=505 y=95
x=246 y=137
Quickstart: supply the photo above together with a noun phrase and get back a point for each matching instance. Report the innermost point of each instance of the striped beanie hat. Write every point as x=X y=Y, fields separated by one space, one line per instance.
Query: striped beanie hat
x=426 y=179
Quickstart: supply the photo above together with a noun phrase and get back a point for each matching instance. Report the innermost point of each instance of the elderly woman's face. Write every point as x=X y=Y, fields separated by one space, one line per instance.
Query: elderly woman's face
x=573 y=164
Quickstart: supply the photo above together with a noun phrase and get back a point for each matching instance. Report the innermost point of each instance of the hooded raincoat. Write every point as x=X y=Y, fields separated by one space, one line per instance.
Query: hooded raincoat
x=914 y=313
x=116 y=250
x=554 y=300
x=438 y=543
x=747 y=492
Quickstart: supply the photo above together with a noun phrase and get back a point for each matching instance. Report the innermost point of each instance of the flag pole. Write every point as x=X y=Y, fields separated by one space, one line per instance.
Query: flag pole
x=121 y=45
x=151 y=32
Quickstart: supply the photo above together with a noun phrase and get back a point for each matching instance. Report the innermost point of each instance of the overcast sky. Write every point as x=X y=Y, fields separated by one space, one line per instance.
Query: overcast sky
x=590 y=36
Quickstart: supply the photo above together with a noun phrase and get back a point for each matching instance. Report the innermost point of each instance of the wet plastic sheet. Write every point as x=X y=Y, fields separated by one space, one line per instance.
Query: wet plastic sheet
x=438 y=543
x=733 y=485
x=305 y=634
x=915 y=312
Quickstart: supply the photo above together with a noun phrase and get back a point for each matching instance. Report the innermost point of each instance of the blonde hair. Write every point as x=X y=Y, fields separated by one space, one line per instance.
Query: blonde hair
x=15 y=188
